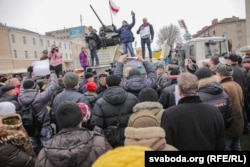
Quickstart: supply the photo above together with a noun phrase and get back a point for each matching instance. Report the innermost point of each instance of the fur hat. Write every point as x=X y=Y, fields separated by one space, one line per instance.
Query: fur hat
x=134 y=72
x=85 y=111
x=203 y=72
x=225 y=70
x=70 y=80
x=6 y=88
x=246 y=59
x=192 y=68
x=145 y=118
x=232 y=57
x=148 y=94
x=7 y=108
x=69 y=114
x=123 y=156
x=160 y=65
x=88 y=75
x=91 y=86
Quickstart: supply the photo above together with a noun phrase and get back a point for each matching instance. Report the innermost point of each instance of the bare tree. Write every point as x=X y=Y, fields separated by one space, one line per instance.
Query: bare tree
x=169 y=35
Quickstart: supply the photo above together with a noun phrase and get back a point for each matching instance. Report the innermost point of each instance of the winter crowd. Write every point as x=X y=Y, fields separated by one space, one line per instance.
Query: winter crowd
x=112 y=119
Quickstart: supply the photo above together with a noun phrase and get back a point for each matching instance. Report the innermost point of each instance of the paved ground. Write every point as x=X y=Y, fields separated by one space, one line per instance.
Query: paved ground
x=245 y=141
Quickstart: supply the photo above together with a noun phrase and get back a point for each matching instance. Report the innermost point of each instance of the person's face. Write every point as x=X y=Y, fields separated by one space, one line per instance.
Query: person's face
x=159 y=71
x=228 y=61
x=145 y=21
x=246 y=65
x=11 y=92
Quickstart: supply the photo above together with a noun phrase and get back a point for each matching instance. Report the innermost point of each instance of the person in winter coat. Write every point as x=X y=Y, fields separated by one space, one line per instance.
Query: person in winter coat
x=145 y=130
x=70 y=93
x=162 y=78
x=56 y=60
x=91 y=95
x=74 y=145
x=167 y=97
x=8 y=93
x=83 y=58
x=15 y=146
x=211 y=92
x=30 y=95
x=148 y=100
x=234 y=92
x=126 y=35
x=135 y=82
x=91 y=40
x=146 y=32
x=192 y=125
x=115 y=100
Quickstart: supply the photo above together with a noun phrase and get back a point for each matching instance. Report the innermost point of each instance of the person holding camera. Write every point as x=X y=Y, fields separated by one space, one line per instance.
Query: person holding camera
x=56 y=59
x=126 y=35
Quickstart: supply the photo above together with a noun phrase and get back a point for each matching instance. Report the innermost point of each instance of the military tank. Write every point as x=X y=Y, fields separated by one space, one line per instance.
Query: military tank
x=112 y=38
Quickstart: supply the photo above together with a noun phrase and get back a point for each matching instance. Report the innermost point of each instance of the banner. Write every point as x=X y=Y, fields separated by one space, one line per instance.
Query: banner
x=114 y=9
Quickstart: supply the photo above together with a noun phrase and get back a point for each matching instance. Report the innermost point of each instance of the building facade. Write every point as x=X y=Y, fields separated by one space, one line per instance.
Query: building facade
x=67 y=33
x=232 y=28
x=247 y=2
x=20 y=47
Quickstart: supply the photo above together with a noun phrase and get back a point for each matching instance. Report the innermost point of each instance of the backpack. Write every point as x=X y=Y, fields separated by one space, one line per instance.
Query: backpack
x=98 y=42
x=30 y=123
x=113 y=133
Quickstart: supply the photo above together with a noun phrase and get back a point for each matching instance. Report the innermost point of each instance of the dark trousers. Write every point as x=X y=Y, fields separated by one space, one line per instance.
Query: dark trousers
x=147 y=42
x=94 y=55
x=58 y=70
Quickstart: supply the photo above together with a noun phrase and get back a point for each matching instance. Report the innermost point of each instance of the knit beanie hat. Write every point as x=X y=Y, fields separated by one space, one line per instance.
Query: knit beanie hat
x=145 y=118
x=246 y=59
x=69 y=114
x=7 y=108
x=29 y=84
x=70 y=80
x=203 y=72
x=133 y=72
x=88 y=75
x=91 y=86
x=129 y=156
x=6 y=88
x=225 y=70
x=148 y=94
x=85 y=111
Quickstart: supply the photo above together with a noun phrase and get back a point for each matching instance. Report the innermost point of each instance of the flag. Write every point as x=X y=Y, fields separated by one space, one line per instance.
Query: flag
x=114 y=9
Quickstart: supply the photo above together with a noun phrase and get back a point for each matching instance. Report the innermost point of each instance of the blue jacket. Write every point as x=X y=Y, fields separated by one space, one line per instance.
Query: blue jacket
x=125 y=32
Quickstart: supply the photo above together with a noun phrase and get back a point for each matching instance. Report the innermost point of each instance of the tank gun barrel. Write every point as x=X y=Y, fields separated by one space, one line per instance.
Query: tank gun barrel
x=97 y=17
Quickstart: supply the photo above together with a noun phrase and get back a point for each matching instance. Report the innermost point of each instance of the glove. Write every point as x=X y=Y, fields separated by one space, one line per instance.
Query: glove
x=113 y=25
x=132 y=13
x=30 y=69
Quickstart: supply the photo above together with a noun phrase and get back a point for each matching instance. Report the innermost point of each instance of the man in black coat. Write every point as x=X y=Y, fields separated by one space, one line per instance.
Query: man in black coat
x=115 y=100
x=193 y=125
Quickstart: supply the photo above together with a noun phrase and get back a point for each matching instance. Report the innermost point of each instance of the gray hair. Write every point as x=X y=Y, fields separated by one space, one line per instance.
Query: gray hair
x=188 y=84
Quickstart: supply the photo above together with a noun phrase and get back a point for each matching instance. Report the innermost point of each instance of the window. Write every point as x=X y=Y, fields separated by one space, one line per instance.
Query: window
x=54 y=42
x=34 y=41
x=35 y=54
x=214 y=32
x=26 y=54
x=24 y=40
x=48 y=43
x=65 y=45
x=69 y=46
x=66 y=56
x=59 y=45
x=15 y=54
x=70 y=56
x=13 y=38
x=41 y=42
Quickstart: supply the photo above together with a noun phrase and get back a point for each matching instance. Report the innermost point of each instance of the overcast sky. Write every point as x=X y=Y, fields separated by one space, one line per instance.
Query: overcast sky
x=47 y=15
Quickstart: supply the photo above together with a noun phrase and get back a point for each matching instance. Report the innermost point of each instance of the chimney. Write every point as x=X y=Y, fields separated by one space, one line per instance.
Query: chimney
x=214 y=21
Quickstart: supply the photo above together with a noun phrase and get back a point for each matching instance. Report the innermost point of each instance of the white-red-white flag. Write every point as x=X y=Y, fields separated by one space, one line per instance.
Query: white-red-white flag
x=114 y=9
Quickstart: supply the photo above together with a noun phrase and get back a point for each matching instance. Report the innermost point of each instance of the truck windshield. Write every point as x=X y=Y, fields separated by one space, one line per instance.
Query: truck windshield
x=215 y=48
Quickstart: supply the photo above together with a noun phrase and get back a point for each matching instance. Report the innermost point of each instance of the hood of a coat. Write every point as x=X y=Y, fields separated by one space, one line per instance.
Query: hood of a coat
x=147 y=105
x=115 y=95
x=210 y=85
x=27 y=96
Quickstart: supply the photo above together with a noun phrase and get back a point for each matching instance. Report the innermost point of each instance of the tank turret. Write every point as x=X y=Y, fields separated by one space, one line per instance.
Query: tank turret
x=112 y=38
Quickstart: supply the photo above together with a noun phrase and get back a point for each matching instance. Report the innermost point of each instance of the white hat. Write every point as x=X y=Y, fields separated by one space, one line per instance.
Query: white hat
x=7 y=108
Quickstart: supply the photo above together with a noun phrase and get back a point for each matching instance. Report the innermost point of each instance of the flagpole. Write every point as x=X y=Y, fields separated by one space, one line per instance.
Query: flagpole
x=111 y=14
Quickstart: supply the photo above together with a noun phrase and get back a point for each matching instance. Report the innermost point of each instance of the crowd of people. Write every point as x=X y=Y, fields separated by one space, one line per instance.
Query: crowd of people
x=203 y=108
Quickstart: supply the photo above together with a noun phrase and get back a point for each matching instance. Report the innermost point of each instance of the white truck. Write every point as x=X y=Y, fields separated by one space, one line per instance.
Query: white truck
x=201 y=49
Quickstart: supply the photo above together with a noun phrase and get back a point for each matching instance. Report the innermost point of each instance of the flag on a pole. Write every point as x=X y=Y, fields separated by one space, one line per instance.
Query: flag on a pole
x=114 y=9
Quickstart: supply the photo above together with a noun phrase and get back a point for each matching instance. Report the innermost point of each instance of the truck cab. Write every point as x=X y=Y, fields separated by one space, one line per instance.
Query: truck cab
x=201 y=49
